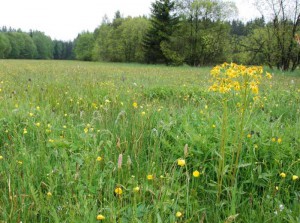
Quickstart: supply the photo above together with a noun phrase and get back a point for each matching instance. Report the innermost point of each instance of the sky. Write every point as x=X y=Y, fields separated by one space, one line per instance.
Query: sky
x=65 y=19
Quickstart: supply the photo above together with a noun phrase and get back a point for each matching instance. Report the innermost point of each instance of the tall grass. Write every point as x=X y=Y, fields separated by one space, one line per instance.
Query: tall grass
x=88 y=142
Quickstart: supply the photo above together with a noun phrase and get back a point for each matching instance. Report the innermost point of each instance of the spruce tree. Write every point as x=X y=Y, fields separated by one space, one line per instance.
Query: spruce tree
x=163 y=23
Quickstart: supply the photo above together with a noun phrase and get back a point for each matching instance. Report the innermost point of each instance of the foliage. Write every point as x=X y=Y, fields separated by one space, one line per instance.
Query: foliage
x=83 y=46
x=112 y=142
x=163 y=24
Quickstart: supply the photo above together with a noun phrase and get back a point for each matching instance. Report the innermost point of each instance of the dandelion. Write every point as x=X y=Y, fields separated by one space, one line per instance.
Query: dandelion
x=143 y=113
x=37 y=124
x=249 y=136
x=31 y=114
x=150 y=177
x=24 y=131
x=99 y=158
x=135 y=104
x=19 y=162
x=273 y=139
x=85 y=130
x=100 y=217
x=295 y=177
x=181 y=162
x=118 y=191
x=283 y=175
x=49 y=194
x=38 y=108
x=196 y=173
x=1 y=157
x=179 y=214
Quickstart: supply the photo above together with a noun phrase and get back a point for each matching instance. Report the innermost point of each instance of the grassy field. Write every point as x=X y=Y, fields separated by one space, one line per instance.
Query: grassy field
x=90 y=142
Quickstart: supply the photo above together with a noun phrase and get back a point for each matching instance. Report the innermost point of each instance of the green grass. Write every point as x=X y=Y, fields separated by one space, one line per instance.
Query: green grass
x=58 y=117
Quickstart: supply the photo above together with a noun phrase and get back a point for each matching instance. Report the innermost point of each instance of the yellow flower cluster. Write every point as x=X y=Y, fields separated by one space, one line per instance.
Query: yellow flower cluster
x=228 y=77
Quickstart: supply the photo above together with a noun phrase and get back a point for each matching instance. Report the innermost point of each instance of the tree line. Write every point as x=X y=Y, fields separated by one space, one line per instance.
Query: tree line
x=193 y=32
x=16 y=44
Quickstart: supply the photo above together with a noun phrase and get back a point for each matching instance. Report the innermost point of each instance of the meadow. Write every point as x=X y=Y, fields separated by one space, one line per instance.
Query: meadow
x=109 y=142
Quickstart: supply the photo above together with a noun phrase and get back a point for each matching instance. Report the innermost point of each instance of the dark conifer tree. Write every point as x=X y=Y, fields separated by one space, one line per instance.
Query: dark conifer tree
x=163 y=24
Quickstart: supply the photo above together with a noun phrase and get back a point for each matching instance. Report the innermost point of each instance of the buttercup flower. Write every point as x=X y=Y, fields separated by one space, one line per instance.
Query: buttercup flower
x=196 y=173
x=100 y=217
x=181 y=162
x=283 y=175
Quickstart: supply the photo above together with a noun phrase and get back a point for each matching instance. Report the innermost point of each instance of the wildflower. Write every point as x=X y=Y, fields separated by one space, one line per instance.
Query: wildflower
x=295 y=177
x=181 y=162
x=31 y=114
x=143 y=113
x=107 y=101
x=273 y=139
x=99 y=158
x=135 y=105
x=20 y=162
x=24 y=131
x=86 y=130
x=136 y=189
x=100 y=217
x=268 y=75
x=277 y=188
x=213 y=126
x=1 y=157
x=283 y=175
x=118 y=191
x=51 y=140
x=64 y=126
x=37 y=124
x=49 y=194
x=150 y=177
x=179 y=214
x=196 y=173
x=249 y=136
x=38 y=108
x=279 y=140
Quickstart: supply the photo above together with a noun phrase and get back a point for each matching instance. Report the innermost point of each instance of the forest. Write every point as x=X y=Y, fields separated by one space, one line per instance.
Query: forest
x=192 y=32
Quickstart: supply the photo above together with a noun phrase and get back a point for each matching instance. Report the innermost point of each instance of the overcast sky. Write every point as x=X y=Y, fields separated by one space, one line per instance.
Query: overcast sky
x=64 y=19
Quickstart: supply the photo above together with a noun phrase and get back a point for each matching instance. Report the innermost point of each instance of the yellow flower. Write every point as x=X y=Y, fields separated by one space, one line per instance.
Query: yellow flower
x=143 y=113
x=268 y=75
x=283 y=175
x=178 y=214
x=100 y=217
x=1 y=157
x=279 y=140
x=37 y=124
x=150 y=177
x=136 y=189
x=51 y=140
x=99 y=158
x=20 y=162
x=295 y=177
x=213 y=126
x=135 y=104
x=276 y=188
x=249 y=136
x=181 y=162
x=49 y=194
x=273 y=139
x=86 y=130
x=196 y=173
x=24 y=131
x=118 y=191
x=31 y=114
